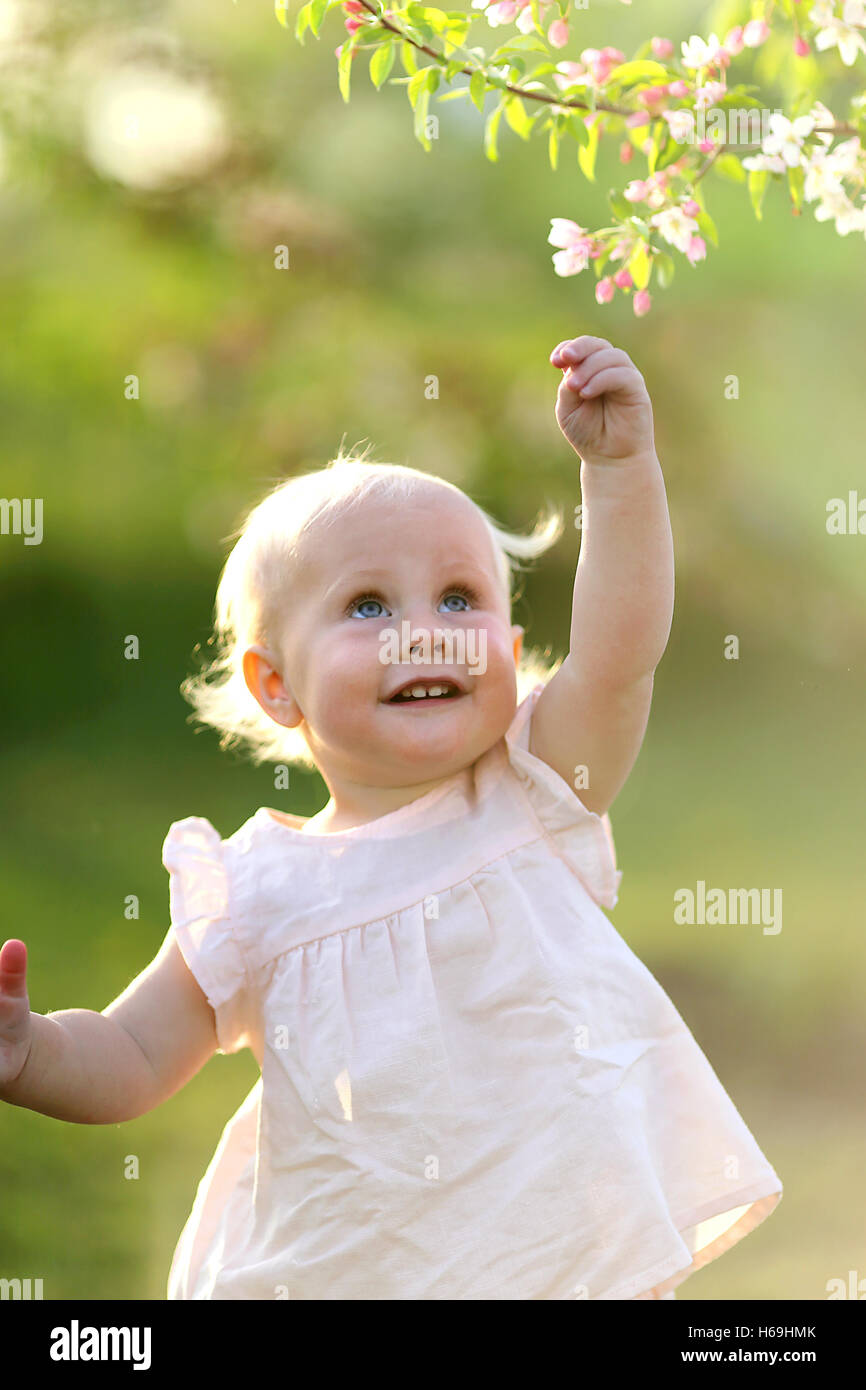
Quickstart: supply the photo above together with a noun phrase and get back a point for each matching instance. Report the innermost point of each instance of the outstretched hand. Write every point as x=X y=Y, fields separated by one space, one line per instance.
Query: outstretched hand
x=602 y=407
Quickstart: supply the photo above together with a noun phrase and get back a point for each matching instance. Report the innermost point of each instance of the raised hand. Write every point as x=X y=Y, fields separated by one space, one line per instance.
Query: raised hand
x=602 y=407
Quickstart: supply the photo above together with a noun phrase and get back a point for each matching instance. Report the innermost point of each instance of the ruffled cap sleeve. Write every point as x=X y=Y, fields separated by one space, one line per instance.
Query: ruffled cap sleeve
x=201 y=917
x=584 y=838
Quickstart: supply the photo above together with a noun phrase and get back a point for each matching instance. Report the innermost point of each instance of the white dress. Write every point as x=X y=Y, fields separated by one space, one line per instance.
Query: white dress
x=471 y=1087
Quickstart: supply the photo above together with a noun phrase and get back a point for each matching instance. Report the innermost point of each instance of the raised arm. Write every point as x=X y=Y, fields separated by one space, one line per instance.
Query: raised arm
x=104 y=1068
x=594 y=711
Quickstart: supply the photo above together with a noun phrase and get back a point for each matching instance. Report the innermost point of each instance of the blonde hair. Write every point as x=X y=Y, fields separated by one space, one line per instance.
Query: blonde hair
x=252 y=586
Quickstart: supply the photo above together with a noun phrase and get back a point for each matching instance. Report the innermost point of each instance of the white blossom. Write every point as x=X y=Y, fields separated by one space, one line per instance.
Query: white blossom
x=840 y=33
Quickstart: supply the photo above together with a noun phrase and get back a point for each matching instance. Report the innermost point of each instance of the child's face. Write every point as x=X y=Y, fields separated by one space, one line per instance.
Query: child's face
x=428 y=562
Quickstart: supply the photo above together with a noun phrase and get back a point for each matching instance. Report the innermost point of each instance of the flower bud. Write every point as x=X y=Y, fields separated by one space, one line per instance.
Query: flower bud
x=637 y=118
x=662 y=48
x=733 y=42
x=626 y=152
x=756 y=32
x=642 y=303
x=557 y=34
x=691 y=208
x=604 y=290
x=623 y=279
x=678 y=88
x=697 y=249
x=801 y=47
x=634 y=192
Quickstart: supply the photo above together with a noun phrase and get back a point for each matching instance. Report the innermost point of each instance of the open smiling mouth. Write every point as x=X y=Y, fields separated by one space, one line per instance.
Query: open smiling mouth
x=426 y=692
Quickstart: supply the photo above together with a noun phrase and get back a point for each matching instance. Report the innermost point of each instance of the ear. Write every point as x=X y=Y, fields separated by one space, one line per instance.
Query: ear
x=265 y=684
x=517 y=637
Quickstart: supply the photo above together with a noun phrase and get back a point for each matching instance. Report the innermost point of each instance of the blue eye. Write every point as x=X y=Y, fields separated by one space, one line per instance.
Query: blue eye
x=465 y=599
x=356 y=608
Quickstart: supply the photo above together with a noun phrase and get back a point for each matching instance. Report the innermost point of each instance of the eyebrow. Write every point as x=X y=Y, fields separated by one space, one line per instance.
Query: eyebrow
x=376 y=576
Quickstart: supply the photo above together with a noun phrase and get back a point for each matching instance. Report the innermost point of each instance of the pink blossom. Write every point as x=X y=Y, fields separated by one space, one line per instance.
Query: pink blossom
x=601 y=61
x=525 y=22
x=756 y=32
x=733 y=42
x=604 y=290
x=697 y=249
x=623 y=279
x=635 y=191
x=352 y=24
x=691 y=208
x=564 y=232
x=653 y=95
x=709 y=94
x=558 y=33
x=706 y=146
x=637 y=118
x=642 y=303
x=354 y=7
x=801 y=47
x=576 y=246
x=626 y=152
x=662 y=48
x=678 y=88
x=567 y=74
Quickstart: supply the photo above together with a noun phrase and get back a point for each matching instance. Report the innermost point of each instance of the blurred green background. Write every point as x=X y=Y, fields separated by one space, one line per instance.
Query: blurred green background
x=405 y=264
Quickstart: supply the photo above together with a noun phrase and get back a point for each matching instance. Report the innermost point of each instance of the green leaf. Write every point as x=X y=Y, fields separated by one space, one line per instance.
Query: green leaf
x=553 y=147
x=281 y=10
x=600 y=262
x=344 y=68
x=730 y=168
x=417 y=85
x=452 y=69
x=422 y=106
x=653 y=154
x=619 y=206
x=453 y=38
x=490 y=133
x=757 y=188
x=381 y=64
x=637 y=72
x=664 y=264
x=515 y=115
x=301 y=23
x=670 y=151
x=318 y=9
x=708 y=227
x=523 y=43
x=478 y=88
x=407 y=58
x=575 y=127
x=796 y=180
x=421 y=15
x=640 y=266
x=586 y=154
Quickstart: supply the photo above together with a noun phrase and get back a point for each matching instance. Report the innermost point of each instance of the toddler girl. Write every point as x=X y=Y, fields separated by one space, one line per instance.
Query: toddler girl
x=470 y=1087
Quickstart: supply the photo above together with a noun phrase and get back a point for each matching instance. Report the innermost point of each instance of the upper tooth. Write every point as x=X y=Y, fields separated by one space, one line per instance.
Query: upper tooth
x=418 y=691
x=437 y=690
